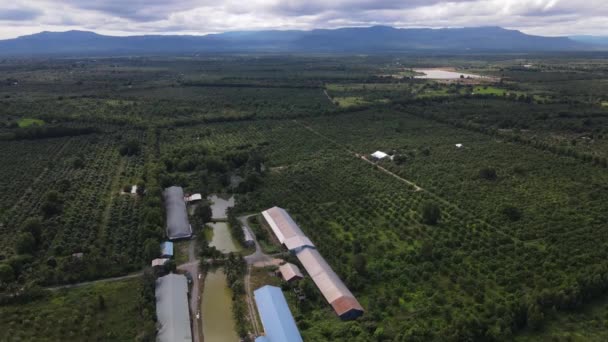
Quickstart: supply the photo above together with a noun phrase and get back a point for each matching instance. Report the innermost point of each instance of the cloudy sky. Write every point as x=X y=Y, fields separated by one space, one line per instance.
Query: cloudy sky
x=128 y=17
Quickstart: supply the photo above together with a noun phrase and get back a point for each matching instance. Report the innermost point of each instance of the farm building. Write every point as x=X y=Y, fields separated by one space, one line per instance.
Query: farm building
x=249 y=241
x=282 y=224
x=328 y=282
x=193 y=198
x=297 y=243
x=290 y=272
x=379 y=155
x=172 y=308
x=279 y=325
x=331 y=286
x=178 y=226
x=160 y=262
x=166 y=249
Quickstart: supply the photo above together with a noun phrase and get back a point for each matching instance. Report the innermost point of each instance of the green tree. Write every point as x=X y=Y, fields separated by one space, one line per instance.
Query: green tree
x=360 y=264
x=130 y=148
x=52 y=204
x=26 y=244
x=7 y=274
x=33 y=226
x=170 y=266
x=488 y=173
x=203 y=211
x=431 y=213
x=151 y=249
x=511 y=212
x=535 y=317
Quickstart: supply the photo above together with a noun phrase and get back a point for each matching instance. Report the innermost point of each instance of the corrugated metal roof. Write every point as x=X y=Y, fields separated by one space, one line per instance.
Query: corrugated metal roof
x=297 y=242
x=290 y=271
x=166 y=248
x=282 y=224
x=194 y=197
x=347 y=307
x=172 y=308
x=328 y=282
x=247 y=235
x=279 y=325
x=177 y=217
x=159 y=262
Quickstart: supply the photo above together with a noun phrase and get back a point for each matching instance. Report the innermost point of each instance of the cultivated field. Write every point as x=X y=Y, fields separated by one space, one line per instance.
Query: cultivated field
x=515 y=246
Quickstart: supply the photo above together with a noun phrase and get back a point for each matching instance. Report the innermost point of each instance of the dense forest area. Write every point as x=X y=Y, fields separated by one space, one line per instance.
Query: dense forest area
x=494 y=239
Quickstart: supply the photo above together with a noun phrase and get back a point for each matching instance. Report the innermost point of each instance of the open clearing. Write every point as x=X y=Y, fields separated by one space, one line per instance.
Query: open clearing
x=26 y=122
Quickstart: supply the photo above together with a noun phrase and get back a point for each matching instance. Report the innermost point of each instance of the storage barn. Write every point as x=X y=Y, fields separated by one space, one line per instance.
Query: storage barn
x=286 y=230
x=329 y=283
x=279 y=325
x=378 y=155
x=193 y=198
x=172 y=308
x=178 y=226
x=290 y=272
x=160 y=262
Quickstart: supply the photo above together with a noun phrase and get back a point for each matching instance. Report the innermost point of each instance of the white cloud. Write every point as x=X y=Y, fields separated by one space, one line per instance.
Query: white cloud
x=124 y=17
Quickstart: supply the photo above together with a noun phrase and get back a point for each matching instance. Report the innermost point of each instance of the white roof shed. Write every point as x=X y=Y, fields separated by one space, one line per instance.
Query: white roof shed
x=379 y=155
x=290 y=272
x=283 y=226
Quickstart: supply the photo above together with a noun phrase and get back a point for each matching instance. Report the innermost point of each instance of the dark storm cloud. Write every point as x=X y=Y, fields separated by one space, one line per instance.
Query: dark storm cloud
x=310 y=7
x=137 y=10
x=19 y=14
x=124 y=17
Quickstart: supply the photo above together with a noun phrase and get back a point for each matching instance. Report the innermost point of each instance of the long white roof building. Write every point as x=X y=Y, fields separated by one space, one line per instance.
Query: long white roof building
x=282 y=224
x=178 y=226
x=172 y=308
x=329 y=283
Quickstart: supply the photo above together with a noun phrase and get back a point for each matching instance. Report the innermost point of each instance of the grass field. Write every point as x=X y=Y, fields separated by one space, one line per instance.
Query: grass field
x=180 y=248
x=76 y=315
x=25 y=122
x=350 y=101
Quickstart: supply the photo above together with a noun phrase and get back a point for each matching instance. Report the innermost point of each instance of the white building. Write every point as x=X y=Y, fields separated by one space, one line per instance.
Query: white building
x=329 y=283
x=172 y=309
x=379 y=155
x=290 y=272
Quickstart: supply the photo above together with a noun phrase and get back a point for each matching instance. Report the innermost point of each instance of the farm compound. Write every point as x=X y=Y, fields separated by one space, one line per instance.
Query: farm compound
x=329 y=283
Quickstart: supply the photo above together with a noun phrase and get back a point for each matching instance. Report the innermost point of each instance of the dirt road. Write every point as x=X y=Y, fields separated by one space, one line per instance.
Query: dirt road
x=192 y=267
x=105 y=280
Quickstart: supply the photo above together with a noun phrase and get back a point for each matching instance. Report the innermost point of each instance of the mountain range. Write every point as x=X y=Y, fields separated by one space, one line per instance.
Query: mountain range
x=595 y=40
x=375 y=39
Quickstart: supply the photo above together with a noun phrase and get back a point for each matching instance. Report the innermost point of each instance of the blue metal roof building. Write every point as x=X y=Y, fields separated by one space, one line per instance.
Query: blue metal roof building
x=166 y=249
x=279 y=325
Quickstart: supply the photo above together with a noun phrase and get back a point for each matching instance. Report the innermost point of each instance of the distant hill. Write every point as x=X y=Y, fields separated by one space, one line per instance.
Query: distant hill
x=596 y=40
x=376 y=39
